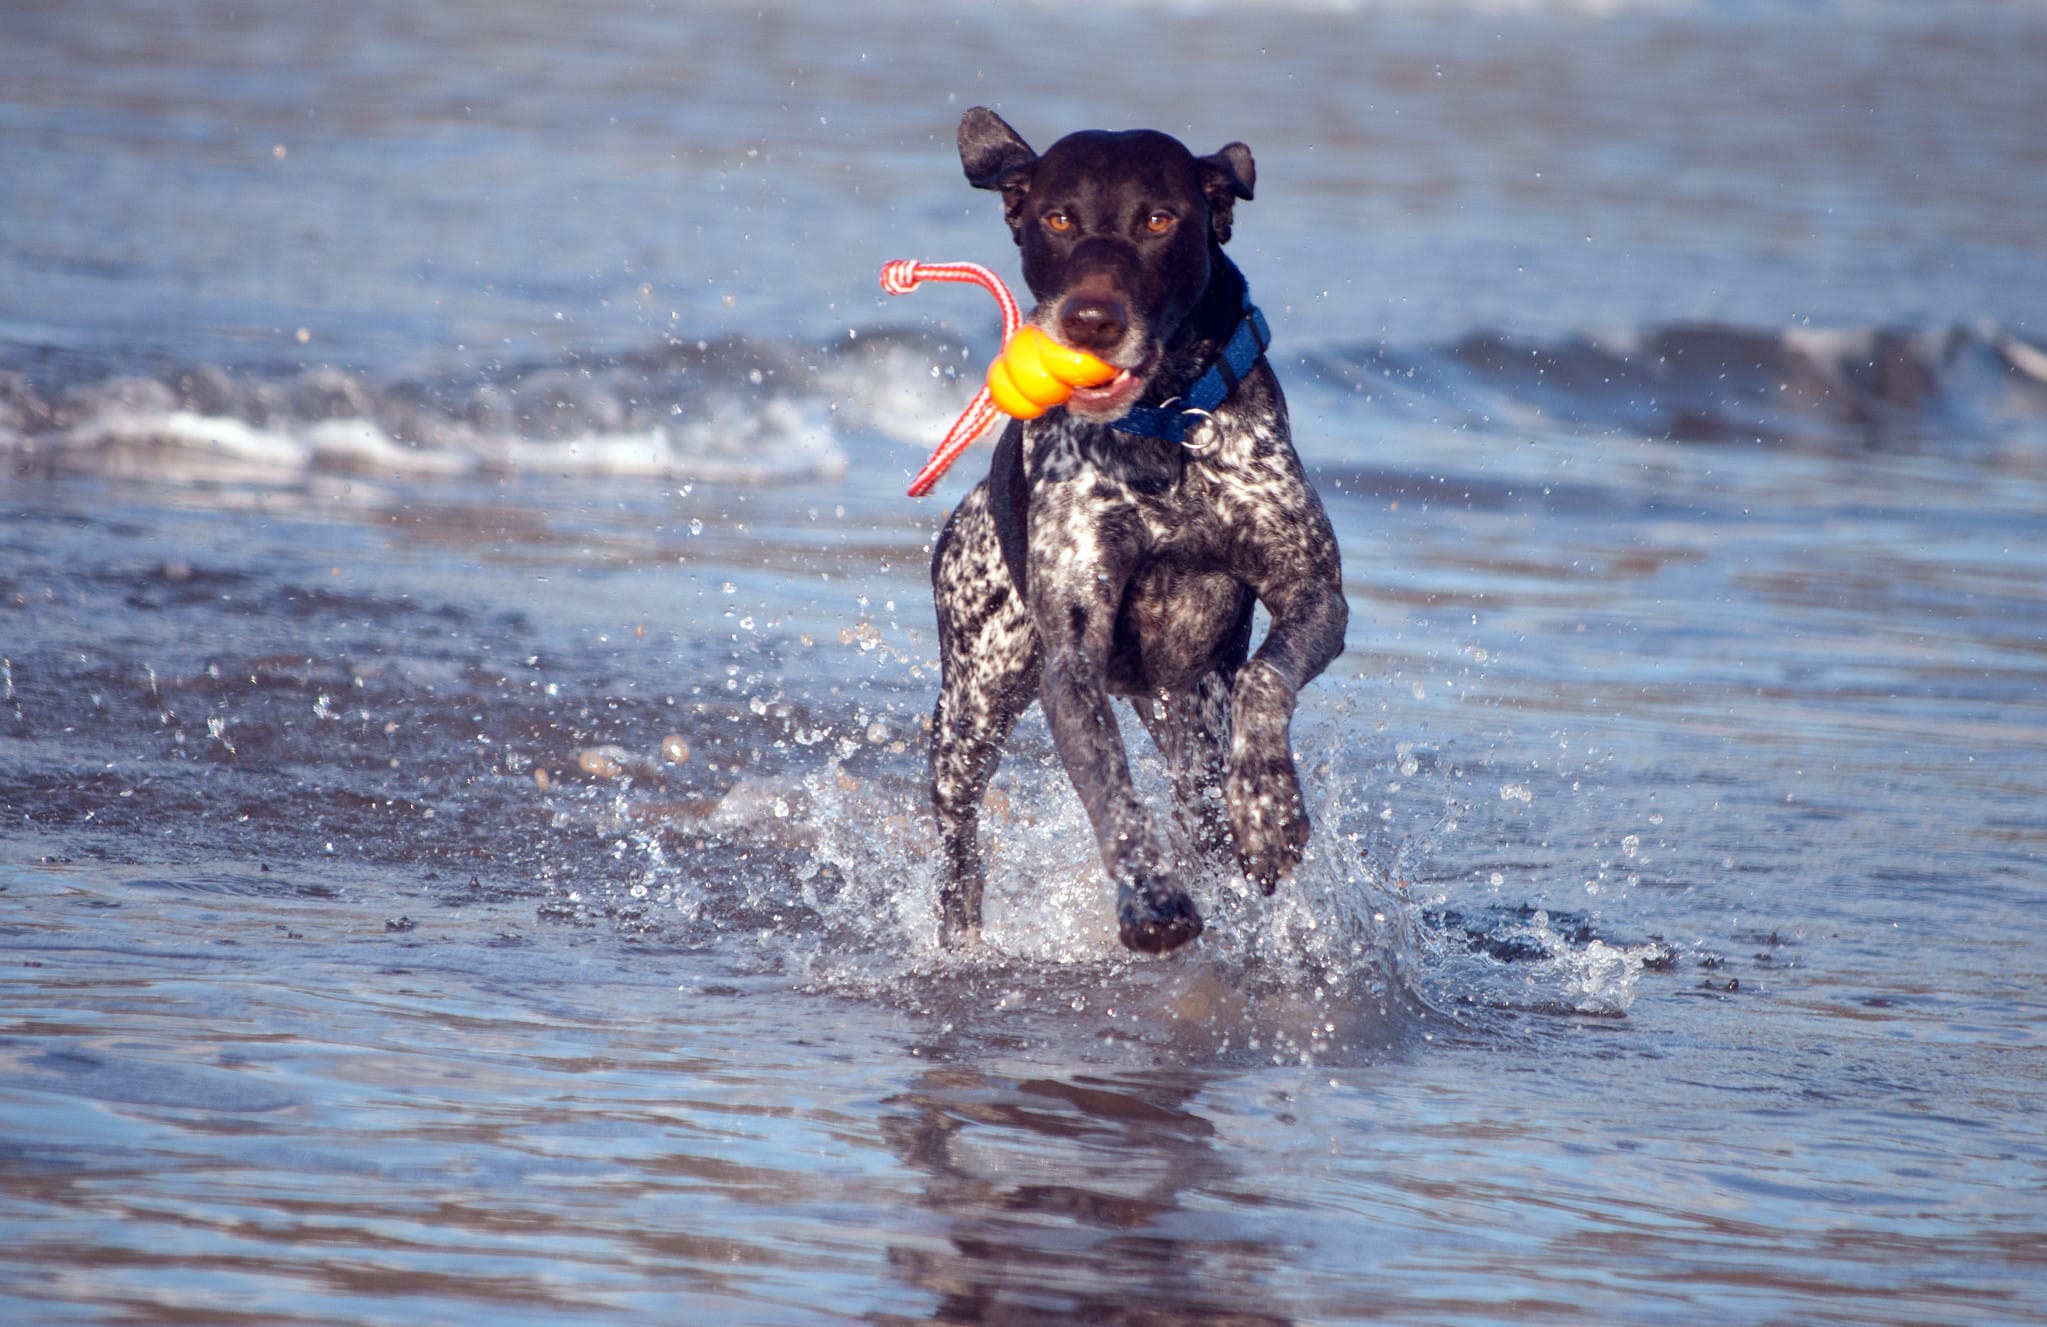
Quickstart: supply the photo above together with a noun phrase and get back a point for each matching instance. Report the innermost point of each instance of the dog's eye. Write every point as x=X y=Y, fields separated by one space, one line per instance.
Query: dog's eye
x=1158 y=223
x=1058 y=222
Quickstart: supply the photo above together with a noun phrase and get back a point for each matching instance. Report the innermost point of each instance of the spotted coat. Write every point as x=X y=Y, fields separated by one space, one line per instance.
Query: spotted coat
x=1142 y=560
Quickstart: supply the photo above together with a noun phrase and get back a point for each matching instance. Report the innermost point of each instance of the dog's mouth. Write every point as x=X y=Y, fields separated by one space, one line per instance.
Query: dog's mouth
x=1113 y=399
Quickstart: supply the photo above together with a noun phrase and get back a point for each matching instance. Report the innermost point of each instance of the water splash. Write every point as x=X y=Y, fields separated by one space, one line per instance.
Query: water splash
x=820 y=865
x=1327 y=969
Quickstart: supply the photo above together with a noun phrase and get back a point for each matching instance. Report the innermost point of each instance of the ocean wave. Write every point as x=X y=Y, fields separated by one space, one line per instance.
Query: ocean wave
x=1805 y=387
x=753 y=411
x=730 y=412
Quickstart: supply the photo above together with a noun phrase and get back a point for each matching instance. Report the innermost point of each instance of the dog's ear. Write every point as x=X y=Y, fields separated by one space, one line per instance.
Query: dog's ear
x=1225 y=177
x=990 y=150
x=996 y=157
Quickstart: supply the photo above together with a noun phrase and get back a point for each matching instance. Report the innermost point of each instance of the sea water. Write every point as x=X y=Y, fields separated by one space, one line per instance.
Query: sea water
x=465 y=650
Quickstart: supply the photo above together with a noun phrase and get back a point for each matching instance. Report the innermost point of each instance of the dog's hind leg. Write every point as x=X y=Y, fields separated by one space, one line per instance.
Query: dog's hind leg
x=989 y=661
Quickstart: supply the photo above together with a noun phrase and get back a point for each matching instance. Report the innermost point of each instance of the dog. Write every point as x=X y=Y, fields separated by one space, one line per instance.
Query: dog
x=1120 y=541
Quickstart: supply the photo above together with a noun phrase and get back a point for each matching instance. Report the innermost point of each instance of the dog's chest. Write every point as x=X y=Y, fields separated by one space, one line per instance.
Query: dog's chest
x=1191 y=503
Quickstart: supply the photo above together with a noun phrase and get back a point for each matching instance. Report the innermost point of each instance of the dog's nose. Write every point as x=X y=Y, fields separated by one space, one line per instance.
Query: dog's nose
x=1094 y=324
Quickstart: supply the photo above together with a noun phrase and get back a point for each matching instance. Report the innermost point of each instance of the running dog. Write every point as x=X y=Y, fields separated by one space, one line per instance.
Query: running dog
x=1121 y=541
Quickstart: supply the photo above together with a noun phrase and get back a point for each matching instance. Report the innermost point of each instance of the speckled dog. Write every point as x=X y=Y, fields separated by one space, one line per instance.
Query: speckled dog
x=1120 y=541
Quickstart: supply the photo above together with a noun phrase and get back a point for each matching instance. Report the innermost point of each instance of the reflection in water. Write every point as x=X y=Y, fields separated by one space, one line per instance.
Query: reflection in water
x=1066 y=1200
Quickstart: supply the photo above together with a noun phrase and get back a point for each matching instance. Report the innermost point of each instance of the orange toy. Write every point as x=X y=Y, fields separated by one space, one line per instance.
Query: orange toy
x=1034 y=373
x=1031 y=375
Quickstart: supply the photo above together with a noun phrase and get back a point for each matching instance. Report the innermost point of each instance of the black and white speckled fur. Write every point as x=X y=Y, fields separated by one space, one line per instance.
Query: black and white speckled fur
x=1145 y=557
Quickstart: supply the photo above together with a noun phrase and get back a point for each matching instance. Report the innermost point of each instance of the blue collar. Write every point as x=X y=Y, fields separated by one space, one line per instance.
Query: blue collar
x=1174 y=420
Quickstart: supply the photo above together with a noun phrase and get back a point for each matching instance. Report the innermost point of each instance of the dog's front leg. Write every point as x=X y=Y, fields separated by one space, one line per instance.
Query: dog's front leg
x=1074 y=604
x=1263 y=789
x=988 y=660
x=1153 y=914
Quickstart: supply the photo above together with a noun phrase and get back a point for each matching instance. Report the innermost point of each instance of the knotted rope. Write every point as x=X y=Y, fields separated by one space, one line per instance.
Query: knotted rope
x=903 y=276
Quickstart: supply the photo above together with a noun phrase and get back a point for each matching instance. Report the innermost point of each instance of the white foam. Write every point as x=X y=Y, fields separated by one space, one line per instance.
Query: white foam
x=905 y=390
x=140 y=443
x=2028 y=359
x=360 y=446
x=142 y=440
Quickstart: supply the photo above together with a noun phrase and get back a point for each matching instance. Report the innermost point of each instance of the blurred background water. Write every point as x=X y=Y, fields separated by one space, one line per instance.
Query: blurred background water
x=464 y=647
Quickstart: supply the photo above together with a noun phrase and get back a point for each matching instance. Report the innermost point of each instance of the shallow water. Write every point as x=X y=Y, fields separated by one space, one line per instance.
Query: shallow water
x=465 y=653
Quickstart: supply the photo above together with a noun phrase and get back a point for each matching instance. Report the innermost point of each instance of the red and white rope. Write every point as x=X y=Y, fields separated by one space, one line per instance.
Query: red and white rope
x=903 y=276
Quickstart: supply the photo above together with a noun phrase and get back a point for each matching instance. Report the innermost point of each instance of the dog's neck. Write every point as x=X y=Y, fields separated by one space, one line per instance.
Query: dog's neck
x=1207 y=329
x=1201 y=366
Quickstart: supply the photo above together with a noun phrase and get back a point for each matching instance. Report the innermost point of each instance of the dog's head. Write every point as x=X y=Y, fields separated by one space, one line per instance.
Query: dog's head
x=1119 y=233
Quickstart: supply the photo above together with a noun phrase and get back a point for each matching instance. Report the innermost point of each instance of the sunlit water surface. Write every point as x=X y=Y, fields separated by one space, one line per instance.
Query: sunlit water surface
x=466 y=651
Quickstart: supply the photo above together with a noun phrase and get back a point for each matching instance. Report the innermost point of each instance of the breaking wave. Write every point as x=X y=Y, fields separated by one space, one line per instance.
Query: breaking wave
x=1795 y=387
x=735 y=411
x=751 y=411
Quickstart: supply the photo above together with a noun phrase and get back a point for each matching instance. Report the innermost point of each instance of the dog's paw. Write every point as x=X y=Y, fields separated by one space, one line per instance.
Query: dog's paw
x=959 y=915
x=1154 y=918
x=1269 y=821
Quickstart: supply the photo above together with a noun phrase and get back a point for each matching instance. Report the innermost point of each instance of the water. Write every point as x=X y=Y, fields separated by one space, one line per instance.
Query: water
x=465 y=649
